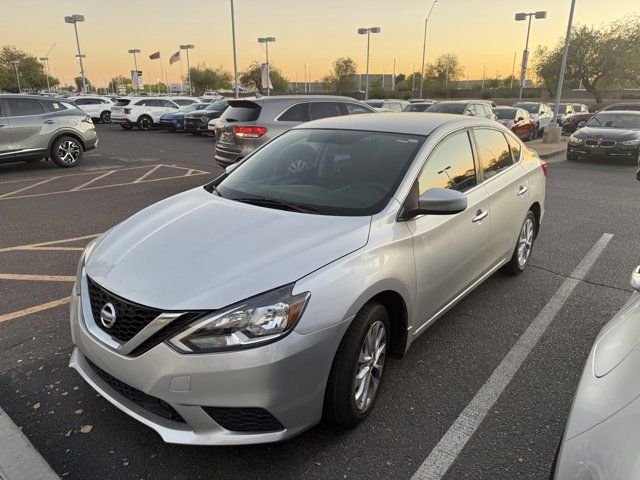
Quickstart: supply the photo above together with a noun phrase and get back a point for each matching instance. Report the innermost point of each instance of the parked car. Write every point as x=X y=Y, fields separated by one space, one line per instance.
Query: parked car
x=391 y=105
x=565 y=111
x=418 y=106
x=609 y=134
x=37 y=127
x=211 y=96
x=141 y=112
x=196 y=122
x=183 y=101
x=622 y=106
x=602 y=434
x=98 y=108
x=579 y=108
x=336 y=244
x=473 y=108
x=175 y=121
x=576 y=121
x=250 y=123
x=518 y=120
x=540 y=112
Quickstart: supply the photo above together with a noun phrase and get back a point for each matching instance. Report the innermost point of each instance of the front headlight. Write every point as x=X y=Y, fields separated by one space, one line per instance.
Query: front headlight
x=255 y=321
x=630 y=143
x=83 y=258
x=575 y=140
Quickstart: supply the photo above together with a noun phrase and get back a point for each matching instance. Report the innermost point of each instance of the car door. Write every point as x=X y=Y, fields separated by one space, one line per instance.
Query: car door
x=450 y=250
x=6 y=144
x=506 y=183
x=167 y=106
x=29 y=125
x=521 y=126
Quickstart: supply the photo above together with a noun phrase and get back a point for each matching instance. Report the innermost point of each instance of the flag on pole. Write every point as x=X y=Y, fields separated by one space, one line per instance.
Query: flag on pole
x=174 y=58
x=266 y=78
x=155 y=56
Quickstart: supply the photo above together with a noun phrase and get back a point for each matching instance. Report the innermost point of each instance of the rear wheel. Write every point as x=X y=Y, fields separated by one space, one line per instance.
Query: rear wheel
x=67 y=152
x=358 y=366
x=105 y=117
x=523 y=249
x=145 y=122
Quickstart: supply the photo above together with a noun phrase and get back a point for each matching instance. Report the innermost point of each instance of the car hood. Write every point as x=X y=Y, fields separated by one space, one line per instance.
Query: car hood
x=619 y=134
x=172 y=116
x=198 y=251
x=202 y=113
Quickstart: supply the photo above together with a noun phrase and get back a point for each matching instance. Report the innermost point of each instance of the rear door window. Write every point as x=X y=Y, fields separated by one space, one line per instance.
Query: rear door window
x=493 y=150
x=122 y=102
x=296 y=113
x=20 y=107
x=318 y=110
x=355 y=109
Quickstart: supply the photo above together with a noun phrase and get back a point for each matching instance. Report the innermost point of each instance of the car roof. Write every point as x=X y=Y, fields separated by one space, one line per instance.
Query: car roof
x=505 y=107
x=409 y=123
x=626 y=112
x=300 y=98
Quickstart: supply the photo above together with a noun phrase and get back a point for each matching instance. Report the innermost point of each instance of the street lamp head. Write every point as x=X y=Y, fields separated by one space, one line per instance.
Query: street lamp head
x=15 y=62
x=520 y=17
x=363 y=31
x=134 y=50
x=375 y=29
x=186 y=47
x=74 y=18
x=541 y=14
x=271 y=39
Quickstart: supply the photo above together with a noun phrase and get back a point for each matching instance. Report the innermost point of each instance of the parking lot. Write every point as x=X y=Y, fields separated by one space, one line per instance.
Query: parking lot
x=430 y=398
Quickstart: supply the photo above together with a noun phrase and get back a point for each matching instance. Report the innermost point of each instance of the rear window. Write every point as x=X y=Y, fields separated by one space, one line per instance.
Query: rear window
x=241 y=112
x=122 y=102
x=447 y=107
x=297 y=113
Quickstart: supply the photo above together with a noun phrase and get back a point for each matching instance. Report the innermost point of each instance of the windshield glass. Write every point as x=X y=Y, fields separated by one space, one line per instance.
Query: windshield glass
x=561 y=108
x=444 y=107
x=416 y=107
x=505 y=113
x=375 y=103
x=328 y=172
x=615 y=120
x=188 y=108
x=529 y=107
x=218 y=106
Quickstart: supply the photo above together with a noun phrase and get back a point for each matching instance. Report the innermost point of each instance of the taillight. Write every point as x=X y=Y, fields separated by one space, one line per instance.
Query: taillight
x=543 y=164
x=250 y=132
x=127 y=111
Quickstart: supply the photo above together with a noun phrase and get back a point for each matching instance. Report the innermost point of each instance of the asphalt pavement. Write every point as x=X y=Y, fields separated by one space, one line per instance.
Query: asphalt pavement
x=48 y=214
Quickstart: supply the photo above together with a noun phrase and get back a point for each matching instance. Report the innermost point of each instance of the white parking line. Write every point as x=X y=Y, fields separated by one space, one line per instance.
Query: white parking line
x=449 y=447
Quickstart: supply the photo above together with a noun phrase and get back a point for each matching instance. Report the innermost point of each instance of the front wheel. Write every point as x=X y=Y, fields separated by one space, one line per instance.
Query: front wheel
x=105 y=117
x=67 y=152
x=523 y=249
x=145 y=123
x=356 y=373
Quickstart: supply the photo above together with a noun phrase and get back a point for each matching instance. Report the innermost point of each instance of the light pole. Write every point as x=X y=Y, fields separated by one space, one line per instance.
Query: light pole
x=368 y=32
x=424 y=45
x=525 y=54
x=235 y=59
x=483 y=71
x=44 y=61
x=135 y=65
x=306 y=89
x=513 y=69
x=413 y=78
x=75 y=19
x=187 y=48
x=563 y=65
x=15 y=64
x=393 y=79
x=267 y=41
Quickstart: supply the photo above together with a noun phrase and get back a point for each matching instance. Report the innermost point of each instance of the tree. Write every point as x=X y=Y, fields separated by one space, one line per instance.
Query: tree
x=252 y=78
x=31 y=71
x=445 y=69
x=206 y=78
x=78 y=83
x=342 y=79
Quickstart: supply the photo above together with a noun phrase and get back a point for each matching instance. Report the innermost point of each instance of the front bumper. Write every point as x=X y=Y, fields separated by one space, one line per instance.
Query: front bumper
x=195 y=125
x=585 y=151
x=286 y=378
x=173 y=124
x=90 y=139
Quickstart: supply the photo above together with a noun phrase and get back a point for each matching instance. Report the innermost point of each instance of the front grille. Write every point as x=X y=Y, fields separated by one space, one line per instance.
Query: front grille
x=607 y=143
x=238 y=419
x=592 y=143
x=149 y=403
x=131 y=318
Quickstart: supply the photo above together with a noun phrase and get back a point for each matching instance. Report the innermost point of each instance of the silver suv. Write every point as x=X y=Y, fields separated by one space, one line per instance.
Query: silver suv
x=250 y=123
x=33 y=128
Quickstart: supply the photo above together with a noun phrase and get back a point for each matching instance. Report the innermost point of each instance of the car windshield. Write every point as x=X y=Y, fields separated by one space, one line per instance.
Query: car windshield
x=529 y=107
x=375 y=103
x=416 y=107
x=188 y=108
x=615 y=120
x=577 y=107
x=444 y=107
x=218 y=106
x=326 y=172
x=505 y=113
x=561 y=109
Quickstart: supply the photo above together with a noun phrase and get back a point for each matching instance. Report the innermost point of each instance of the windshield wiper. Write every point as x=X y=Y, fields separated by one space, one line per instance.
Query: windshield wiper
x=274 y=203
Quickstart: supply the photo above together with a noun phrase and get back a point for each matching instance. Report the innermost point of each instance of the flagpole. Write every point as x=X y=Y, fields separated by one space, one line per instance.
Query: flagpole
x=162 y=75
x=180 y=74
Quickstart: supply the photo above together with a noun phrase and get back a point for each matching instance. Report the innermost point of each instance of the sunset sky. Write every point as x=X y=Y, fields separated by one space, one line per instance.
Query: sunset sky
x=478 y=31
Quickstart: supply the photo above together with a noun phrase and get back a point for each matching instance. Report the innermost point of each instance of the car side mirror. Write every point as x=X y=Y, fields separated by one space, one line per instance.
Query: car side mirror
x=582 y=124
x=231 y=168
x=436 y=201
x=635 y=279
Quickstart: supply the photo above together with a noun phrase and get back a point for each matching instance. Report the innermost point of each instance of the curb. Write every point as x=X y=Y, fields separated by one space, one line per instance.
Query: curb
x=19 y=460
x=545 y=156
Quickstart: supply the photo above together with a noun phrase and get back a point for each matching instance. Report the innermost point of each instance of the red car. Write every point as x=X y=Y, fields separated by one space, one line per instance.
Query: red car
x=518 y=120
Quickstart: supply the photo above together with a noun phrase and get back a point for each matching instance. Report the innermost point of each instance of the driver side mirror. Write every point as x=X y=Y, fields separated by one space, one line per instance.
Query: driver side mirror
x=635 y=279
x=437 y=201
x=582 y=124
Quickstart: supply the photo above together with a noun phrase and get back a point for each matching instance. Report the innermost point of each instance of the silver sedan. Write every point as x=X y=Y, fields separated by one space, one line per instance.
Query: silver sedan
x=245 y=310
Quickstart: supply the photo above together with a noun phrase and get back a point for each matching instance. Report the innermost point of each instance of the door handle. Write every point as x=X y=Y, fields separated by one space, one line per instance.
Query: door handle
x=522 y=190
x=480 y=215
x=49 y=122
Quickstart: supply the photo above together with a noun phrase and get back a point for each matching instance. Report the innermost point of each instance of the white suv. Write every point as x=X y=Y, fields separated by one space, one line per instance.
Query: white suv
x=143 y=112
x=98 y=108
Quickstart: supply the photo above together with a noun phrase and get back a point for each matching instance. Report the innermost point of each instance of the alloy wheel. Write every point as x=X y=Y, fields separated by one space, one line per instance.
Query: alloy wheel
x=69 y=152
x=525 y=242
x=370 y=365
x=145 y=123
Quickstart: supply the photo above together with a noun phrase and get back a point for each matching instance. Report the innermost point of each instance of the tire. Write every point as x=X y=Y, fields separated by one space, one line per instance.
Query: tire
x=126 y=126
x=342 y=405
x=105 y=117
x=522 y=254
x=145 y=123
x=67 y=151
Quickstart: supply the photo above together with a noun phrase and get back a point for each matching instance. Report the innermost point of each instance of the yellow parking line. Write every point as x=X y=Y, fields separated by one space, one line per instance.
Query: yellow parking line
x=28 y=187
x=146 y=174
x=37 y=308
x=79 y=187
x=53 y=249
x=37 y=278
x=44 y=244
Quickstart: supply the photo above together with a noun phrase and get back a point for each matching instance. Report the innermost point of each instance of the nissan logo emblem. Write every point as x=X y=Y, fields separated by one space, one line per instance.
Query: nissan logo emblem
x=108 y=315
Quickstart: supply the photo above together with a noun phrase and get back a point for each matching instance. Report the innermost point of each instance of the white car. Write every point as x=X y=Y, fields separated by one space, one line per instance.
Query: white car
x=541 y=114
x=211 y=96
x=183 y=101
x=98 y=108
x=141 y=112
